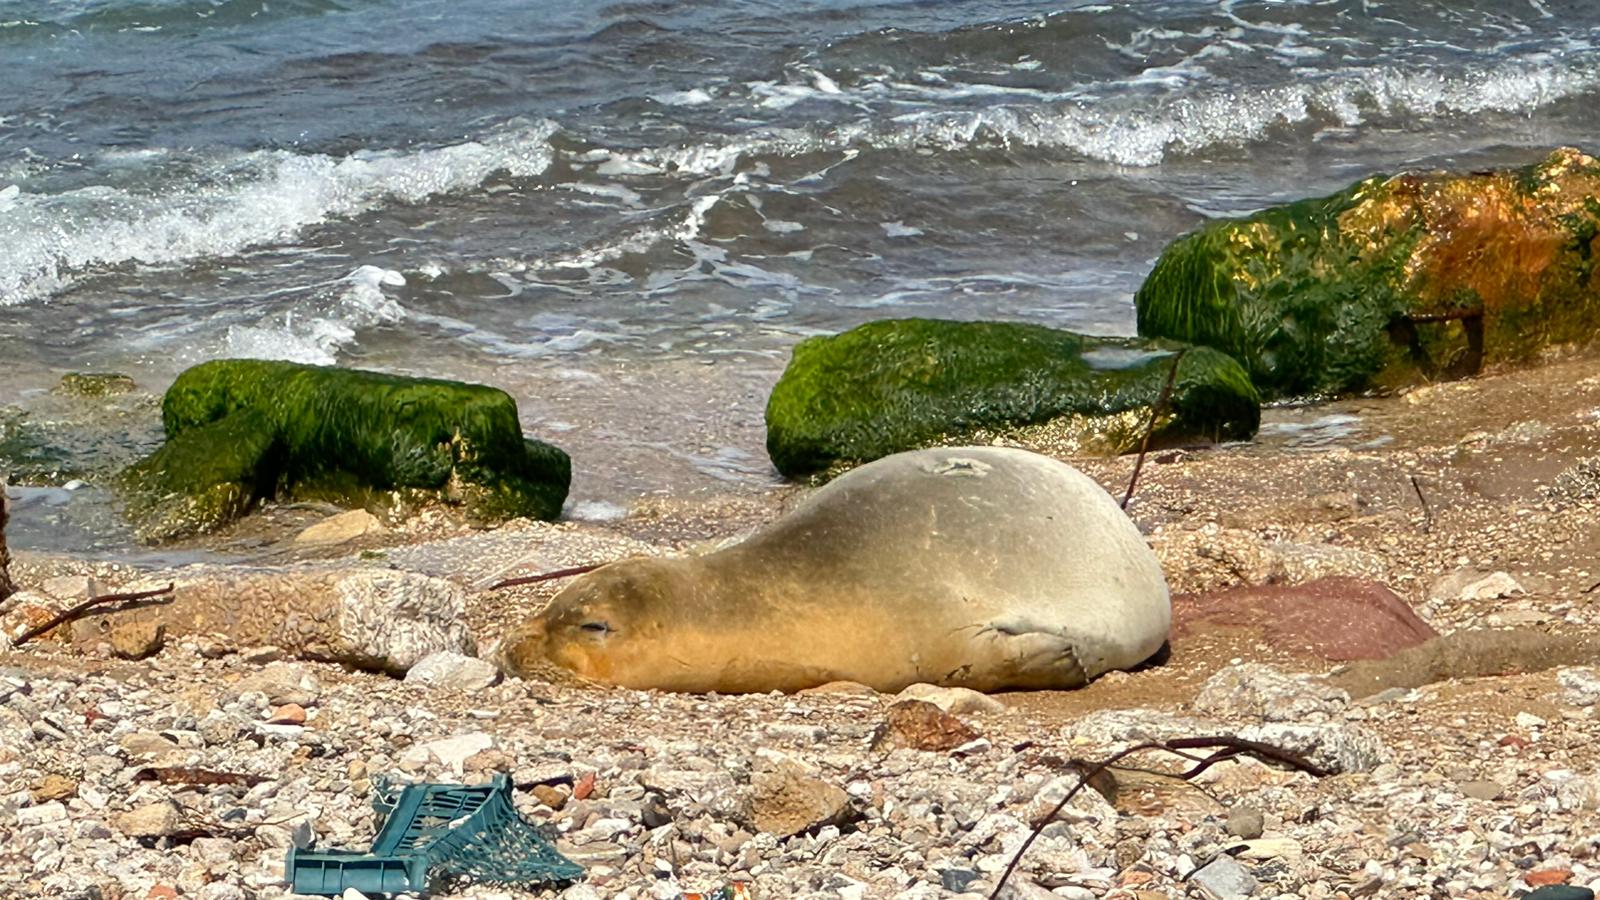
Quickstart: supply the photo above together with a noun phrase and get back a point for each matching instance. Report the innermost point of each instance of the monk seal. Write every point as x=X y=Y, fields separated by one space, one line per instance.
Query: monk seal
x=979 y=567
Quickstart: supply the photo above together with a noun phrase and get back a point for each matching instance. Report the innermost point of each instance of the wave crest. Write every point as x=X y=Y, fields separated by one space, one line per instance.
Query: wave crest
x=254 y=199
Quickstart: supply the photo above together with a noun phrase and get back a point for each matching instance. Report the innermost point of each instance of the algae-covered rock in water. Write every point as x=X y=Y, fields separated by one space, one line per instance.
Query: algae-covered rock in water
x=64 y=434
x=1427 y=273
x=95 y=384
x=904 y=383
x=241 y=430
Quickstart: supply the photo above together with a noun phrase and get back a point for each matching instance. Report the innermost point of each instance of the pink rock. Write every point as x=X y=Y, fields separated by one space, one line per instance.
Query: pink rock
x=288 y=714
x=1339 y=618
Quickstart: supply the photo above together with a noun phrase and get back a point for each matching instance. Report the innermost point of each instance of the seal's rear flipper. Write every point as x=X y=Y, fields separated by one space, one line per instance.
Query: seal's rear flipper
x=1029 y=656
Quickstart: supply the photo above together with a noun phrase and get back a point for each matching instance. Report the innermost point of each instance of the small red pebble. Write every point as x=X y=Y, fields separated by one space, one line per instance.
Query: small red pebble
x=162 y=892
x=1514 y=740
x=1135 y=878
x=584 y=787
x=288 y=714
x=92 y=715
x=1545 y=877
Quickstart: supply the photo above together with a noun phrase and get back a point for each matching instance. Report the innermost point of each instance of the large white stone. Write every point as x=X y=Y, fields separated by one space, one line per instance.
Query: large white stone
x=346 y=526
x=456 y=671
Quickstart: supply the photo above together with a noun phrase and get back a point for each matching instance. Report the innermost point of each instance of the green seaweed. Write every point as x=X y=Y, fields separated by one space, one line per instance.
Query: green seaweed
x=1369 y=287
x=95 y=384
x=208 y=475
x=897 y=384
x=339 y=434
x=1302 y=311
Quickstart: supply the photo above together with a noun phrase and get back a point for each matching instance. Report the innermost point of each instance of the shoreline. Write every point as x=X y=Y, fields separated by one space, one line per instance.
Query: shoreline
x=1352 y=460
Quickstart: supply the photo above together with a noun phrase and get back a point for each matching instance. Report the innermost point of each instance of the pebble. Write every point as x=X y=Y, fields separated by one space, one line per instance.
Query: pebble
x=288 y=714
x=920 y=725
x=337 y=529
x=54 y=787
x=1224 y=879
x=137 y=640
x=1581 y=685
x=453 y=671
x=1245 y=822
x=43 y=814
x=1256 y=691
x=1482 y=790
x=452 y=751
x=787 y=798
x=157 y=819
x=957 y=701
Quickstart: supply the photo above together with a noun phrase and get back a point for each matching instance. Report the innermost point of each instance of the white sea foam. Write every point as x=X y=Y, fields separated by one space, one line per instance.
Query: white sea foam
x=690 y=97
x=249 y=200
x=315 y=330
x=682 y=226
x=1144 y=131
x=595 y=511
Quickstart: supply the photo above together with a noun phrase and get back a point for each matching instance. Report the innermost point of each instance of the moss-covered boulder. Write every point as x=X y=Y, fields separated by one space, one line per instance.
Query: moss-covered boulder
x=904 y=383
x=239 y=431
x=1419 y=274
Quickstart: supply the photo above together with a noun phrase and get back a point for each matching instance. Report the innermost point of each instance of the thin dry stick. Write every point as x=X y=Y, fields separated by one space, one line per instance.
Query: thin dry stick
x=1155 y=413
x=1230 y=747
x=1591 y=588
x=7 y=587
x=84 y=607
x=1427 y=511
x=544 y=576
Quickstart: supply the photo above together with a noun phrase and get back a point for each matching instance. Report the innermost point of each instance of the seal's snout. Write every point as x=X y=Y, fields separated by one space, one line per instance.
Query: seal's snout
x=524 y=648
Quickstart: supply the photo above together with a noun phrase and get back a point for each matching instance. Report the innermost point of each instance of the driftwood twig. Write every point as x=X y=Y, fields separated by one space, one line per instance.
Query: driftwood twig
x=1150 y=429
x=1427 y=511
x=7 y=586
x=544 y=576
x=81 y=609
x=1224 y=746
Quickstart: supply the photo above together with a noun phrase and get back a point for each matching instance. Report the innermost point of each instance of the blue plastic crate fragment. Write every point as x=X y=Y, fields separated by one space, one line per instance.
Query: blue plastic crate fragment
x=441 y=831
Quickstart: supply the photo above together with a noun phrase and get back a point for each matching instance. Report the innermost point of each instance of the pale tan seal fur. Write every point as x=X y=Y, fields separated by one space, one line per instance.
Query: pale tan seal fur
x=979 y=567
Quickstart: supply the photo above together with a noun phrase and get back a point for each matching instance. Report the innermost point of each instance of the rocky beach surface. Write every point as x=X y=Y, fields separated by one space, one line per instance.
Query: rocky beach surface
x=1467 y=774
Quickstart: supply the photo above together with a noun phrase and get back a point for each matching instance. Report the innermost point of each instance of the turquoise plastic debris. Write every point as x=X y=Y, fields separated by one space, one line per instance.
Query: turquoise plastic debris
x=436 y=831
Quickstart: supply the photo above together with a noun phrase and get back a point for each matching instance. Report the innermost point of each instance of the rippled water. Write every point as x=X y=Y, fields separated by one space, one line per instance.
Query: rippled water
x=626 y=214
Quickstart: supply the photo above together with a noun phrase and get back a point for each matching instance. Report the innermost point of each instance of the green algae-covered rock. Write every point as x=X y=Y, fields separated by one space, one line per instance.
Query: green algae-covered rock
x=242 y=430
x=904 y=383
x=1421 y=274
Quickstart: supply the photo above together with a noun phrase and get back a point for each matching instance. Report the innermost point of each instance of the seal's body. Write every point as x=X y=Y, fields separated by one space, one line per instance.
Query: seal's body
x=978 y=567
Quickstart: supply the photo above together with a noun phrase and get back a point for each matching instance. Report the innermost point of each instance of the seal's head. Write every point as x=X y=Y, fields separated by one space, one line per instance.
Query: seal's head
x=607 y=626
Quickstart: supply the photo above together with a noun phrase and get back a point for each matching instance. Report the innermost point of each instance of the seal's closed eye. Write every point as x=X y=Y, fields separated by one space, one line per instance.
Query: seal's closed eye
x=596 y=627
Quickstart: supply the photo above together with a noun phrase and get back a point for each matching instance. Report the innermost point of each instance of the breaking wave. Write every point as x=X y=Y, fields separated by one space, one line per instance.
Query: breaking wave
x=1147 y=131
x=226 y=206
